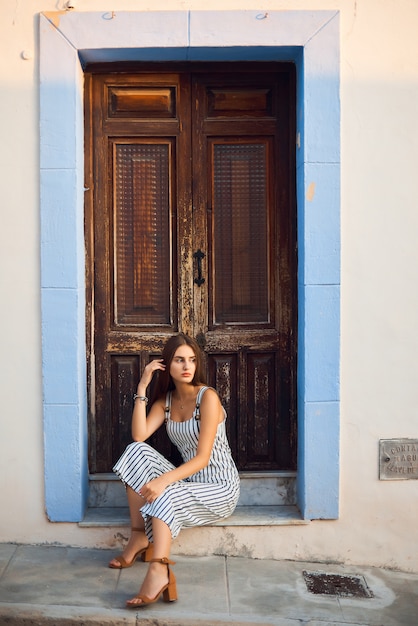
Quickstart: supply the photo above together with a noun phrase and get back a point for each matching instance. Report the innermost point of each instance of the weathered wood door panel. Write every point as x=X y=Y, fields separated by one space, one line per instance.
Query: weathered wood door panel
x=192 y=228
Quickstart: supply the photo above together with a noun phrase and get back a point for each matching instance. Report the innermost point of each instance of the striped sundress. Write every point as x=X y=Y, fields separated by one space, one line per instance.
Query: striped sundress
x=209 y=495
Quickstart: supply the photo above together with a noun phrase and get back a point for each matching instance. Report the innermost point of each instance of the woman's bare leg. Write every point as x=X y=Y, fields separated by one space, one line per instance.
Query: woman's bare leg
x=157 y=575
x=135 y=502
x=137 y=540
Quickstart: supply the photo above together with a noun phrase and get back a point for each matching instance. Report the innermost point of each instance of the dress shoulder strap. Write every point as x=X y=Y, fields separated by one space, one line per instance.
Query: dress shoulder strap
x=167 y=408
x=199 y=400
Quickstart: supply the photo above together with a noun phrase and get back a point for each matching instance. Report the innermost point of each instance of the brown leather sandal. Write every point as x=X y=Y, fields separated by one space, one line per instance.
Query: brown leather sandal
x=145 y=554
x=169 y=590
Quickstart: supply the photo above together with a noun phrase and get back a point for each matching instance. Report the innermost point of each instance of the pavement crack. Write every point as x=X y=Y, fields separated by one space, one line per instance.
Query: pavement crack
x=228 y=596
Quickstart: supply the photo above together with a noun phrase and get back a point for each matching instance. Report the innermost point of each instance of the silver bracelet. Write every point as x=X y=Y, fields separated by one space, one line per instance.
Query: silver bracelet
x=142 y=398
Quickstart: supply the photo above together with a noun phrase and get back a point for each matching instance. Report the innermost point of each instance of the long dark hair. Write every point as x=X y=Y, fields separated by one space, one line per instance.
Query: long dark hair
x=164 y=382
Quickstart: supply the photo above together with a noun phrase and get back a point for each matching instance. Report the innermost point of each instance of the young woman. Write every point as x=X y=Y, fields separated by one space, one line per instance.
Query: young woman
x=163 y=498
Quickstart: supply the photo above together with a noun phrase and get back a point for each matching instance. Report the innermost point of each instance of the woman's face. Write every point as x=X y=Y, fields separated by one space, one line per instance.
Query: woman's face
x=183 y=365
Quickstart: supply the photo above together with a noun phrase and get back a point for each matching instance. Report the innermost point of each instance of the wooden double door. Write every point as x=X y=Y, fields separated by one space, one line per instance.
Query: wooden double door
x=191 y=227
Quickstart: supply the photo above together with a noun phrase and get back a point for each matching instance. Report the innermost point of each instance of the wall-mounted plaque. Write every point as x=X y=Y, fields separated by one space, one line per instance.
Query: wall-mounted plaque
x=398 y=459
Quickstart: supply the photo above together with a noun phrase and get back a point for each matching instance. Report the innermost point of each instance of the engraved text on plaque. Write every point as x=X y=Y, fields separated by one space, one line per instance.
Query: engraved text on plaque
x=398 y=459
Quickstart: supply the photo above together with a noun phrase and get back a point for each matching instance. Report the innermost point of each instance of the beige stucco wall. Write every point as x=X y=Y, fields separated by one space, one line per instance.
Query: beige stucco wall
x=379 y=307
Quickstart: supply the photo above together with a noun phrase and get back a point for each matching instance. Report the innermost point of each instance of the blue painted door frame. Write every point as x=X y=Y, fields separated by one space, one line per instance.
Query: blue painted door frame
x=308 y=38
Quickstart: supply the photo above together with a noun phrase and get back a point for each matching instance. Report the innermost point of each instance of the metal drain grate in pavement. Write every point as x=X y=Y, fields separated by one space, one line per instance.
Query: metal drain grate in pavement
x=347 y=586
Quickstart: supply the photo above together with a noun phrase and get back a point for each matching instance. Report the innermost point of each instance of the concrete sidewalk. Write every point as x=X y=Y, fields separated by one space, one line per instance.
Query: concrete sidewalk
x=62 y=586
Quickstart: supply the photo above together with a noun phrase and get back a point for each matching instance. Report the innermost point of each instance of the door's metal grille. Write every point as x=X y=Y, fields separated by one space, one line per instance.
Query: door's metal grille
x=241 y=228
x=142 y=275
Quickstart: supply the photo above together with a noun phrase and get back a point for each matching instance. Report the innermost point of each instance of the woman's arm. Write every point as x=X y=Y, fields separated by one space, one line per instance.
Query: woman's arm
x=211 y=414
x=144 y=426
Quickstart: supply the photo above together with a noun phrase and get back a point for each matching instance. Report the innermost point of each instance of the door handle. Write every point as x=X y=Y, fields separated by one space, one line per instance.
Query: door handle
x=199 y=255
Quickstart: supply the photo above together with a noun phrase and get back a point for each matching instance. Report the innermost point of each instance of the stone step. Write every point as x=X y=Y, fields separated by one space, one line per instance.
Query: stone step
x=257 y=489
x=250 y=531
x=284 y=515
x=267 y=500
